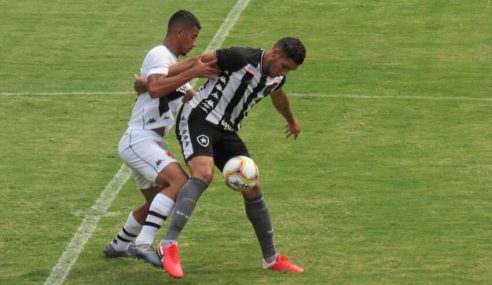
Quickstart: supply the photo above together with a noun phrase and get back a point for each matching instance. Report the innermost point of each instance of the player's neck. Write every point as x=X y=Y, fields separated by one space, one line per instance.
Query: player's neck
x=265 y=62
x=172 y=46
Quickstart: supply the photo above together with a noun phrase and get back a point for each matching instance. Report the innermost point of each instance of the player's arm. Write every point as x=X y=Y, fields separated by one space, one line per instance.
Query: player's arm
x=210 y=57
x=281 y=103
x=207 y=58
x=178 y=74
x=140 y=84
x=160 y=85
x=204 y=65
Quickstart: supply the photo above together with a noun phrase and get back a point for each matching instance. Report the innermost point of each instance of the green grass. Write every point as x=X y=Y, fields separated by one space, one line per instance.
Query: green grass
x=374 y=191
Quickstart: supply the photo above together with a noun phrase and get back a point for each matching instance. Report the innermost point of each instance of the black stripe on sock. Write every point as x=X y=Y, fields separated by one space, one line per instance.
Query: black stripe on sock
x=128 y=234
x=123 y=239
x=155 y=214
x=152 y=225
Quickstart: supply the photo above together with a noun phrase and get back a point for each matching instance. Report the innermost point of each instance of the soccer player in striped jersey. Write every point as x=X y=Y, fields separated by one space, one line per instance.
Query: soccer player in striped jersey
x=142 y=148
x=207 y=127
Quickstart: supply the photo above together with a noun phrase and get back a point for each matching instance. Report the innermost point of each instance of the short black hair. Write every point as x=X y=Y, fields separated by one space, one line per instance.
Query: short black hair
x=293 y=48
x=182 y=18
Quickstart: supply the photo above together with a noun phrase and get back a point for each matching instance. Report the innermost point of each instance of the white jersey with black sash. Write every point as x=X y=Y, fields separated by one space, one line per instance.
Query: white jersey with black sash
x=227 y=98
x=151 y=113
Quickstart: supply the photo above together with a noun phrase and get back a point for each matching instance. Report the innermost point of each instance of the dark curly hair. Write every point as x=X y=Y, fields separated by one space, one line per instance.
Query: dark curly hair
x=293 y=48
x=183 y=18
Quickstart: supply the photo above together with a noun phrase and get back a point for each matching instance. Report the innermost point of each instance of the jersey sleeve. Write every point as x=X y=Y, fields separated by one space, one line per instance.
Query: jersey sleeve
x=235 y=58
x=157 y=63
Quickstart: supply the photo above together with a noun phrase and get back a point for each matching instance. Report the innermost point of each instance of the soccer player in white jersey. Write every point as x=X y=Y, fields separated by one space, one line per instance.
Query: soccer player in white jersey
x=207 y=127
x=142 y=148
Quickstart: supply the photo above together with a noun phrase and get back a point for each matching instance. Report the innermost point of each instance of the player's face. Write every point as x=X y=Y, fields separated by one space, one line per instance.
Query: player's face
x=188 y=39
x=281 y=65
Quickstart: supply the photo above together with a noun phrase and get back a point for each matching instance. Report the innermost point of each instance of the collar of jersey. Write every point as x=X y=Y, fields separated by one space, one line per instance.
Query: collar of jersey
x=176 y=57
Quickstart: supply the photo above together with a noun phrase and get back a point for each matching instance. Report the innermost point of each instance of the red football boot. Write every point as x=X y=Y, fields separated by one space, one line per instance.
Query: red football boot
x=282 y=263
x=170 y=260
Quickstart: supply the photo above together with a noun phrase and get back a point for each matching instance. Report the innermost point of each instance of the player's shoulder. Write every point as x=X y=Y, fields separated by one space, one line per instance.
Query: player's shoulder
x=252 y=54
x=235 y=58
x=160 y=51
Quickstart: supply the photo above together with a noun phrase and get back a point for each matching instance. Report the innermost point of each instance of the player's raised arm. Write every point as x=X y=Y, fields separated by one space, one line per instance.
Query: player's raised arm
x=209 y=57
x=160 y=85
x=281 y=103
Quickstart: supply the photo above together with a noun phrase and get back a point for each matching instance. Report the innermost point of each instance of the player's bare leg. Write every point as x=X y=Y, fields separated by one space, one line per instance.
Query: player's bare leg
x=172 y=177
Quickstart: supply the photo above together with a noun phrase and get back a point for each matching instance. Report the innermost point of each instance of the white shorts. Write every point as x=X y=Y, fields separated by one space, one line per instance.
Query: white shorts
x=146 y=154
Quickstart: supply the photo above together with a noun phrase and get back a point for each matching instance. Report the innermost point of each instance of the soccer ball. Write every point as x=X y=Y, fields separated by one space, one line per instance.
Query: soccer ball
x=240 y=173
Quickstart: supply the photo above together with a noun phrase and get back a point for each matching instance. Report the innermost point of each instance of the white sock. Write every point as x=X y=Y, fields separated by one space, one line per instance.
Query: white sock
x=127 y=234
x=159 y=210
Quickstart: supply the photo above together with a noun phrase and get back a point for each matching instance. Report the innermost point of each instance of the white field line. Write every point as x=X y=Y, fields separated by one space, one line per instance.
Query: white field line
x=316 y=95
x=390 y=97
x=74 y=93
x=89 y=224
x=225 y=28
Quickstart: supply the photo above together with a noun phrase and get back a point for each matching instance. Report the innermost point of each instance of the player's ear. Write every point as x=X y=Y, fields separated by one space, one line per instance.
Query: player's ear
x=179 y=32
x=276 y=52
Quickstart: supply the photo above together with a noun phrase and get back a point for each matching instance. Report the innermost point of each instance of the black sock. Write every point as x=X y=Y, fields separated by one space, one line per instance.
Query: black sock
x=185 y=203
x=259 y=217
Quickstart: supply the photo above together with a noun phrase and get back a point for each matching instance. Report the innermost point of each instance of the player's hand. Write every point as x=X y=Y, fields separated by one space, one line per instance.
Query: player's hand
x=206 y=69
x=292 y=129
x=139 y=84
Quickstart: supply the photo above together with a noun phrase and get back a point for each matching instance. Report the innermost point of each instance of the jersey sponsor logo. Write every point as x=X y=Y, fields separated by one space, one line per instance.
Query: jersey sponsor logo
x=203 y=140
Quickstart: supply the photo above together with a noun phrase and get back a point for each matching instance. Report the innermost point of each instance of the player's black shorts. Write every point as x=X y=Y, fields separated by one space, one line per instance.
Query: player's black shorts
x=198 y=137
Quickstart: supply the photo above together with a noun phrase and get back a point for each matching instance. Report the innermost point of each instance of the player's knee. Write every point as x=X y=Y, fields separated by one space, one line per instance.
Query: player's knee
x=179 y=183
x=175 y=186
x=258 y=189
x=253 y=192
x=206 y=175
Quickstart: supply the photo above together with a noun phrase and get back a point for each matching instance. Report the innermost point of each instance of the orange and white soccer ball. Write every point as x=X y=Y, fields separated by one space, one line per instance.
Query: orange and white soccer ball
x=240 y=173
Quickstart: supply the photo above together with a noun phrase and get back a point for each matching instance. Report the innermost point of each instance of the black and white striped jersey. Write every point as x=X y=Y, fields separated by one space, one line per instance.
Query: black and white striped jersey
x=227 y=98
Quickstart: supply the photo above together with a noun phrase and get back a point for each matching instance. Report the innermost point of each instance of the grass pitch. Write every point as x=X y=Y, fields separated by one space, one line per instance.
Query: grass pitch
x=389 y=182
